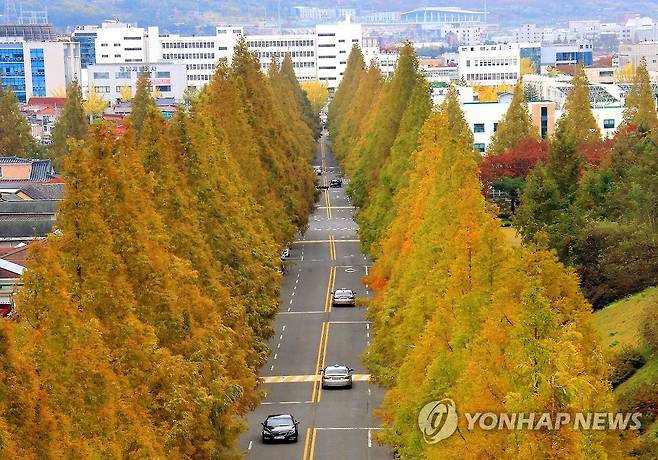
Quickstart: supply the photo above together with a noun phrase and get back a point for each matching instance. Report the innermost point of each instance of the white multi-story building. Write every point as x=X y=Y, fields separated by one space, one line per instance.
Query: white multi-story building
x=38 y=69
x=120 y=42
x=111 y=80
x=333 y=45
x=319 y=53
x=301 y=47
x=630 y=53
x=490 y=64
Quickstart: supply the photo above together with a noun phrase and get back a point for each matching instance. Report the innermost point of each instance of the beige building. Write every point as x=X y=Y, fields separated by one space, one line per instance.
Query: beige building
x=634 y=52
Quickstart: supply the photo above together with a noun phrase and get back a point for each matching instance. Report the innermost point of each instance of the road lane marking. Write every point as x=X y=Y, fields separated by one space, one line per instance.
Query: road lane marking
x=330 y=288
x=314 y=378
x=271 y=403
x=311 y=312
x=369 y=438
x=306 y=442
x=324 y=360
x=283 y=328
x=275 y=355
x=345 y=428
x=312 y=446
x=350 y=322
x=339 y=240
x=251 y=443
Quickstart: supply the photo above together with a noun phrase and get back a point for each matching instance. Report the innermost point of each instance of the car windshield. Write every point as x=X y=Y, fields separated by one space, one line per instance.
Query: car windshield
x=279 y=420
x=336 y=370
x=343 y=293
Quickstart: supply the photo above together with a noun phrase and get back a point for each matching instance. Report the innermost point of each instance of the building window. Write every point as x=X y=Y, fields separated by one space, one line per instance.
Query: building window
x=479 y=147
x=495 y=127
x=609 y=123
x=101 y=75
x=543 y=128
x=163 y=75
x=478 y=128
x=164 y=88
x=122 y=74
x=102 y=89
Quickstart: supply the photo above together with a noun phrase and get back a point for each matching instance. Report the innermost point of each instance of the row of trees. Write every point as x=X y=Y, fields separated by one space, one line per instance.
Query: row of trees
x=458 y=311
x=593 y=199
x=143 y=319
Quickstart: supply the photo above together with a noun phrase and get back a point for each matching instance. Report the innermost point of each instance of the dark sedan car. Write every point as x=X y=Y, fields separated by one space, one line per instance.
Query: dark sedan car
x=334 y=183
x=280 y=427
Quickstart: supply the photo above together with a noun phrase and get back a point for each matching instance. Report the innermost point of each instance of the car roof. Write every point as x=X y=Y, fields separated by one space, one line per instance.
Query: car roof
x=280 y=415
x=344 y=290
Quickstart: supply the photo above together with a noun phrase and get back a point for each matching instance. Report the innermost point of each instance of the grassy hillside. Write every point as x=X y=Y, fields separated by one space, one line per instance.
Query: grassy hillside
x=619 y=326
x=619 y=323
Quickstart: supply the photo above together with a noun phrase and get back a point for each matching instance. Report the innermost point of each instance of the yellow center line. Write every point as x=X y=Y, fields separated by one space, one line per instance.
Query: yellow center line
x=318 y=359
x=311 y=452
x=306 y=443
x=324 y=361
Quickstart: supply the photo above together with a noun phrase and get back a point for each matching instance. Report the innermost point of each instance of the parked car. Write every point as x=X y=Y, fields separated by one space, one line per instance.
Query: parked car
x=336 y=183
x=337 y=376
x=318 y=170
x=321 y=187
x=345 y=297
x=280 y=427
x=285 y=253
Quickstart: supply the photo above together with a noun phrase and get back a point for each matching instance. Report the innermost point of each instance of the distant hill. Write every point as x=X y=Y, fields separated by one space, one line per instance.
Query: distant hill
x=192 y=13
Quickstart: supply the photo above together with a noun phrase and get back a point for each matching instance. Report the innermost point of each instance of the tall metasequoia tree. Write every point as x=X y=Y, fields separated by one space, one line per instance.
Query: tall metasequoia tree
x=515 y=127
x=15 y=132
x=71 y=124
x=141 y=103
x=578 y=119
x=382 y=126
x=641 y=101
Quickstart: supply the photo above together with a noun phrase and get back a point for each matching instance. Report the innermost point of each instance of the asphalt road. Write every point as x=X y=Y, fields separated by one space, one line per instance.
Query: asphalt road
x=310 y=334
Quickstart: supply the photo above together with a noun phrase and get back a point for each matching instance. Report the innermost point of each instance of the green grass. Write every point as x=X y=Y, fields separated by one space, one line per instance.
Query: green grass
x=619 y=323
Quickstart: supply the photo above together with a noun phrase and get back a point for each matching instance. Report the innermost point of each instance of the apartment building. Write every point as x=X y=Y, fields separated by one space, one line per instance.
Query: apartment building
x=35 y=68
x=334 y=43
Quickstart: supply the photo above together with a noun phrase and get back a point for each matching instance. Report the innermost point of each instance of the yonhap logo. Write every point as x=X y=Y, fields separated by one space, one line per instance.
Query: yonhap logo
x=437 y=420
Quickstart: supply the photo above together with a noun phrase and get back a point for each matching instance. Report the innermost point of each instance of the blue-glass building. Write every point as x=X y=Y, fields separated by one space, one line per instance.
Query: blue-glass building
x=87 y=40
x=12 y=68
x=38 y=72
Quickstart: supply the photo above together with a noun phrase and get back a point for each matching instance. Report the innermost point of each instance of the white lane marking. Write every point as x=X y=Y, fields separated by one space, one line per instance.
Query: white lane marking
x=348 y=322
x=348 y=428
x=369 y=438
x=293 y=292
x=367 y=325
x=278 y=345
x=369 y=391
x=297 y=280
x=272 y=367
x=300 y=312
x=251 y=443
x=267 y=403
x=288 y=309
x=281 y=337
x=283 y=328
x=366 y=268
x=276 y=355
x=290 y=301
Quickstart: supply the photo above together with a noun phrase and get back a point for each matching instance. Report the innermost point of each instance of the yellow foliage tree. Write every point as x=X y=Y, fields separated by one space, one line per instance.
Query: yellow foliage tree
x=625 y=74
x=527 y=66
x=95 y=104
x=317 y=93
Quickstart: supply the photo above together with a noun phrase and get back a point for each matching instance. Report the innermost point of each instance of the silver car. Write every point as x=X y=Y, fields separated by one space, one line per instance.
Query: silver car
x=345 y=297
x=337 y=376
